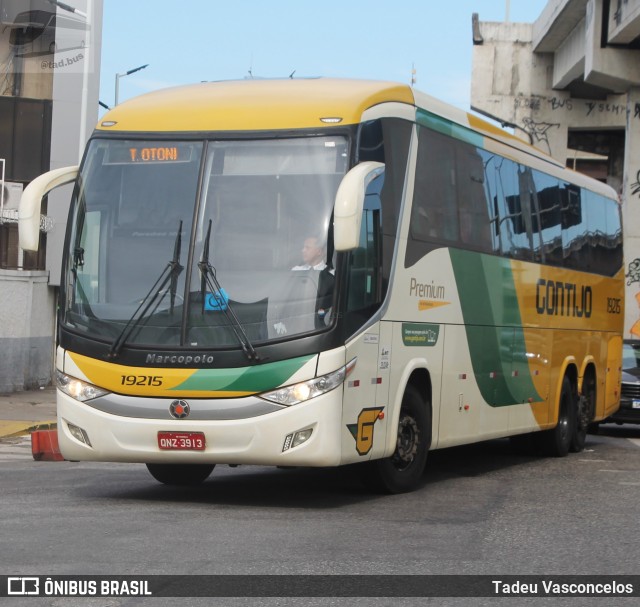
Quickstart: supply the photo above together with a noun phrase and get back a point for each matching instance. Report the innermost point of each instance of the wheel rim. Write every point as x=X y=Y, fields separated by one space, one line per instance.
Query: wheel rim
x=407 y=444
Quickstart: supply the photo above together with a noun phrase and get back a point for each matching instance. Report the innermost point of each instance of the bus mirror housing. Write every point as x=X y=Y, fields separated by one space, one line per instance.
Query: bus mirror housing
x=347 y=210
x=31 y=203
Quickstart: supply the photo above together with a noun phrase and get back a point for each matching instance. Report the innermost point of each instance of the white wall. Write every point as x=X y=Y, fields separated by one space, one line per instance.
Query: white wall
x=28 y=299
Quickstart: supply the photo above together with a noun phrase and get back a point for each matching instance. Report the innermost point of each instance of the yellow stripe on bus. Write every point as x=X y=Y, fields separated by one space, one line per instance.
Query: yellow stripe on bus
x=144 y=381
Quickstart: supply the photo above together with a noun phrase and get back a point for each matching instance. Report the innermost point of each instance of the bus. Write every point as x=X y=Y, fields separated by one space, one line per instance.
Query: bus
x=469 y=287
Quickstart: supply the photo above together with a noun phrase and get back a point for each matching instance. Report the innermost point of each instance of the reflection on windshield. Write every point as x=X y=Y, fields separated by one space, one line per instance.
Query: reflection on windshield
x=263 y=200
x=152 y=300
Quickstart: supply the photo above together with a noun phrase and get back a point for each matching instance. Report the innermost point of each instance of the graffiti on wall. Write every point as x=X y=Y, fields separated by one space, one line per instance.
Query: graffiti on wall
x=538 y=131
x=586 y=107
x=635 y=187
x=633 y=275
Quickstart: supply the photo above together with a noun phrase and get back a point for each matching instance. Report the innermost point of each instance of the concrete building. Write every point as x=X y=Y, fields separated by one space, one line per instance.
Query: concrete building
x=49 y=79
x=570 y=83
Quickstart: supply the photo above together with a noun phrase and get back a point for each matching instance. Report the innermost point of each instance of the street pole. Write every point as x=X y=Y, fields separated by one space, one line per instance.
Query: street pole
x=118 y=76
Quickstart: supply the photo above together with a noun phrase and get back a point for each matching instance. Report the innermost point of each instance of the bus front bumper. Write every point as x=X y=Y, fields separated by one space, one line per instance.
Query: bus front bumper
x=86 y=433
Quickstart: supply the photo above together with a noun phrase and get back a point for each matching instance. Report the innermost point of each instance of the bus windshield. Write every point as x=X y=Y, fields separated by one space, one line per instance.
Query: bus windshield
x=182 y=243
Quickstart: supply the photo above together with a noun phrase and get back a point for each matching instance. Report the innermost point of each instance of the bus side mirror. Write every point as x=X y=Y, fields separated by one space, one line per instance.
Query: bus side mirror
x=347 y=210
x=31 y=203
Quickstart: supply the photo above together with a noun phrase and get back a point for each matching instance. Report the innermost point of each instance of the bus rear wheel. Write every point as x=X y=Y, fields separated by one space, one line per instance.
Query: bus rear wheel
x=180 y=474
x=585 y=412
x=403 y=471
x=557 y=441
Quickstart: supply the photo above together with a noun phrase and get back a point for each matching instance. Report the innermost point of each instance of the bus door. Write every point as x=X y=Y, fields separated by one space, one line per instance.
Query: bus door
x=367 y=387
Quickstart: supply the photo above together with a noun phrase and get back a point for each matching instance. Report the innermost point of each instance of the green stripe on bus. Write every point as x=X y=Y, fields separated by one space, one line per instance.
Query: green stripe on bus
x=244 y=379
x=494 y=328
x=441 y=125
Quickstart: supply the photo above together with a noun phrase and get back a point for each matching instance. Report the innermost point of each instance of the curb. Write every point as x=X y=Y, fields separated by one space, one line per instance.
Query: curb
x=21 y=428
x=44 y=446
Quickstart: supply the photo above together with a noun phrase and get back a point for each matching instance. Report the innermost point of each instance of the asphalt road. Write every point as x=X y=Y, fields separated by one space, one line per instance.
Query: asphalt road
x=482 y=510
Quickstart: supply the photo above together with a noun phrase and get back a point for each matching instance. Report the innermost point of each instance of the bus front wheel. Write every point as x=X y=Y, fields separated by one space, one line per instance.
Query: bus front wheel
x=180 y=474
x=403 y=471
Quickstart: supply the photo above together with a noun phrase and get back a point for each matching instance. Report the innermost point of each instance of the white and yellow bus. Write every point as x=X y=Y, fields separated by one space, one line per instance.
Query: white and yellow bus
x=469 y=287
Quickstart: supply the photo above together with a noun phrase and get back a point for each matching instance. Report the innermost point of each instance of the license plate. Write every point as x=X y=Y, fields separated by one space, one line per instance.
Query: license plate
x=635 y=404
x=181 y=441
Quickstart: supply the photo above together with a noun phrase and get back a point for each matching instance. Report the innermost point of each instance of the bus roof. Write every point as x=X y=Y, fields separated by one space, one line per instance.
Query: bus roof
x=255 y=105
x=241 y=105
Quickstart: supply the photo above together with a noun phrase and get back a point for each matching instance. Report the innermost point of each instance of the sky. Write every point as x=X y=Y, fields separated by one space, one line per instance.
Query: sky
x=206 y=40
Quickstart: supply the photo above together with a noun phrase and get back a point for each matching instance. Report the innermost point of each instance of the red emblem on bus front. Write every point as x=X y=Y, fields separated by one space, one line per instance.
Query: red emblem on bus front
x=179 y=409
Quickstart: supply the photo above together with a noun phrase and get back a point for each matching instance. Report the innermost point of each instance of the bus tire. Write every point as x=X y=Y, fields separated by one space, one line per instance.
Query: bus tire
x=585 y=409
x=180 y=474
x=556 y=442
x=403 y=471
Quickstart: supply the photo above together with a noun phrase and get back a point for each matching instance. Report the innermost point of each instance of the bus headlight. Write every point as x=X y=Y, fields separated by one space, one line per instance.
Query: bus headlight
x=306 y=390
x=76 y=388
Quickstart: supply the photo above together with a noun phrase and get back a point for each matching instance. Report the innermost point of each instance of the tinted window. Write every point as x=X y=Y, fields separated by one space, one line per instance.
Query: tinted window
x=597 y=235
x=475 y=199
x=575 y=230
x=547 y=218
x=434 y=214
x=387 y=141
x=513 y=223
x=473 y=209
x=365 y=267
x=450 y=204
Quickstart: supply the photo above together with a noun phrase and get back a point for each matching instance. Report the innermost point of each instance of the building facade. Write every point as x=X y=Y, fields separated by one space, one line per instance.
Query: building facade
x=49 y=81
x=570 y=84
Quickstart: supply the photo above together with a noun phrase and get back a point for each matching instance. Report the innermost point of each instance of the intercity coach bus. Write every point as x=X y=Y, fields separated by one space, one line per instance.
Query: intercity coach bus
x=468 y=286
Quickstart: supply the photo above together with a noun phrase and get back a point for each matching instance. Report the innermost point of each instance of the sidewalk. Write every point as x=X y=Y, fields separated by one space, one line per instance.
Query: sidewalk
x=23 y=412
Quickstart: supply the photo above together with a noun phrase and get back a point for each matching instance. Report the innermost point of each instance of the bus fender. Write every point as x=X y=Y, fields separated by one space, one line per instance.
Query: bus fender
x=395 y=402
x=589 y=360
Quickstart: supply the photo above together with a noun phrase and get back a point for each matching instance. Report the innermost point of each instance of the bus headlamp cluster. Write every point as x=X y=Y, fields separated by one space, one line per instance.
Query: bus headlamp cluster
x=76 y=388
x=306 y=390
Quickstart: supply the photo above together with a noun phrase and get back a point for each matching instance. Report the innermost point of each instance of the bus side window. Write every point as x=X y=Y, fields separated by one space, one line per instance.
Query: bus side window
x=513 y=221
x=435 y=214
x=473 y=213
x=490 y=185
x=575 y=230
x=605 y=234
x=547 y=217
x=365 y=275
x=449 y=197
x=614 y=237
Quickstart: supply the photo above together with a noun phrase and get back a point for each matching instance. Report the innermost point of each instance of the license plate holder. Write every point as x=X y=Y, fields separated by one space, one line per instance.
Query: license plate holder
x=181 y=441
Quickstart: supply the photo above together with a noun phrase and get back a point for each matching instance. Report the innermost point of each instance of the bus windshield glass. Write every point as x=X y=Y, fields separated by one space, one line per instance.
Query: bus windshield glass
x=203 y=244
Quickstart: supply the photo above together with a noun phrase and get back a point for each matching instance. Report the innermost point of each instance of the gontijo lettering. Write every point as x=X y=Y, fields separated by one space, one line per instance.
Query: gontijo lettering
x=557 y=298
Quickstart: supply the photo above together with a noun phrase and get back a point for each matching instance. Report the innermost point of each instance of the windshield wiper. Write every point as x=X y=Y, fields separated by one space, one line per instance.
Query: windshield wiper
x=154 y=296
x=208 y=278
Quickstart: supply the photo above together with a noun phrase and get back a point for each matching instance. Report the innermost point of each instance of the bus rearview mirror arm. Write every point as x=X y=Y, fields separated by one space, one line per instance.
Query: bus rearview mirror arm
x=347 y=209
x=31 y=204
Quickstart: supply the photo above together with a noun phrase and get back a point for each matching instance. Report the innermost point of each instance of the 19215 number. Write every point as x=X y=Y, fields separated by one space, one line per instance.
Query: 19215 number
x=141 y=380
